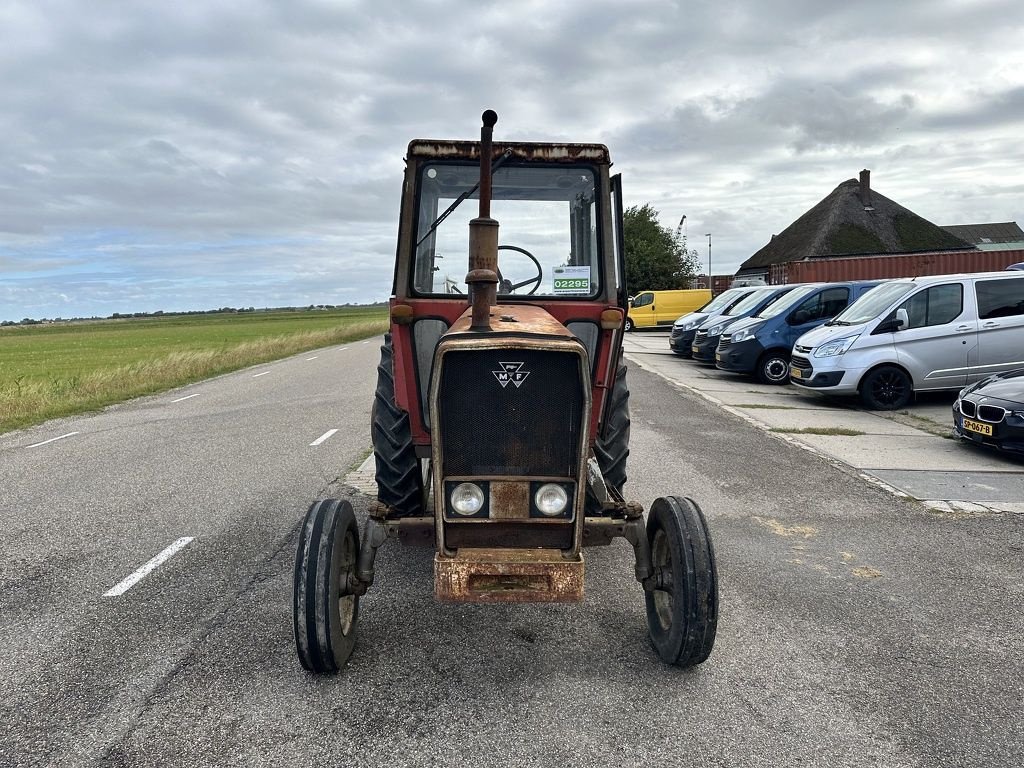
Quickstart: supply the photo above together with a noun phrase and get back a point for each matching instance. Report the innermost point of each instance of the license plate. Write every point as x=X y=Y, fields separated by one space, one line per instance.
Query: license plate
x=795 y=373
x=981 y=429
x=695 y=349
x=718 y=356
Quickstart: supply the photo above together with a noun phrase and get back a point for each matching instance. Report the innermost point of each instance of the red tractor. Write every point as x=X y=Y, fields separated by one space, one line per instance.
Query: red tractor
x=501 y=418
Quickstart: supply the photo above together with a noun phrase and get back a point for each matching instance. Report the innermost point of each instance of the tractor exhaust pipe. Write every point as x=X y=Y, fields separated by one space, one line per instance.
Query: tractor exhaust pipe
x=483 y=239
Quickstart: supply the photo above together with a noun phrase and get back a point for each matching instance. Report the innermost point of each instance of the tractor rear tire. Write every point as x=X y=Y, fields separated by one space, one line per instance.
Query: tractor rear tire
x=612 y=446
x=324 y=611
x=399 y=480
x=682 y=606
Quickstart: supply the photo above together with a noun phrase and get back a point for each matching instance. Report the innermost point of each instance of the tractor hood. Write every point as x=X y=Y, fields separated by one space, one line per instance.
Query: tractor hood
x=512 y=319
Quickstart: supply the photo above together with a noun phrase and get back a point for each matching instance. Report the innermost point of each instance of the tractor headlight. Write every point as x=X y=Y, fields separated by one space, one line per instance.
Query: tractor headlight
x=467 y=499
x=550 y=499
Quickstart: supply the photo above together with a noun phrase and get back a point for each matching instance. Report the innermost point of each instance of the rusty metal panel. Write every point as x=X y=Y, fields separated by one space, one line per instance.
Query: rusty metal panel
x=432 y=149
x=885 y=267
x=513 y=318
x=508 y=576
x=510 y=500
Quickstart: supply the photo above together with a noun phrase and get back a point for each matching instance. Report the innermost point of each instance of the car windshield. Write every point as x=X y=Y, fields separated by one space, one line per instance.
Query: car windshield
x=748 y=303
x=786 y=301
x=721 y=301
x=873 y=303
x=548 y=236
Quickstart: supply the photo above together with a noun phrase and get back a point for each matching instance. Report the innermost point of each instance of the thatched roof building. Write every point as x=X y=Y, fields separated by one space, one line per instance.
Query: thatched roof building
x=852 y=220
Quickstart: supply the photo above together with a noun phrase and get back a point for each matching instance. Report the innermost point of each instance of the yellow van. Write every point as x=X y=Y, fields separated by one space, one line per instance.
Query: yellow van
x=650 y=308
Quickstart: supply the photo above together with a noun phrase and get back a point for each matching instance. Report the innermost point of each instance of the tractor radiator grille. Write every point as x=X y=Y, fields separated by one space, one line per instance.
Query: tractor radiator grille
x=510 y=413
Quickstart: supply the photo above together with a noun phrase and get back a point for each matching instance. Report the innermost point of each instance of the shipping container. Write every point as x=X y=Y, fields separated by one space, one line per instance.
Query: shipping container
x=888 y=266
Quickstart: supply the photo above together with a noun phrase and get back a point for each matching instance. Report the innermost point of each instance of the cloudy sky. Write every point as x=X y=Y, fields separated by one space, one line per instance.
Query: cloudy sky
x=174 y=156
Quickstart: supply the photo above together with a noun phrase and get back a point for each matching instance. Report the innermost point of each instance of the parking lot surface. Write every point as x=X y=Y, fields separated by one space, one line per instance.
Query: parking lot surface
x=911 y=452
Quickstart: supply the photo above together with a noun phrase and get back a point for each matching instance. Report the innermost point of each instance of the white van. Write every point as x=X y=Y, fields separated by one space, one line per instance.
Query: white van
x=914 y=335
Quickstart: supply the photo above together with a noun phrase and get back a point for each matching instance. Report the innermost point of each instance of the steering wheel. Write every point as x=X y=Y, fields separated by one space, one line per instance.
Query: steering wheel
x=507 y=286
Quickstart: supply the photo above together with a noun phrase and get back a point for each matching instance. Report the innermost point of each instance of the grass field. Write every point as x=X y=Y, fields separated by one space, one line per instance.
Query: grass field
x=55 y=370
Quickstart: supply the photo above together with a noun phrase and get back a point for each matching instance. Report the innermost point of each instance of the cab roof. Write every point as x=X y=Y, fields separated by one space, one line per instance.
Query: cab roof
x=435 y=149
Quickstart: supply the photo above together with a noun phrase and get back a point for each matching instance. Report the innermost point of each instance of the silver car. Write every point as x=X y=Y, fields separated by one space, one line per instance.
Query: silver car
x=916 y=334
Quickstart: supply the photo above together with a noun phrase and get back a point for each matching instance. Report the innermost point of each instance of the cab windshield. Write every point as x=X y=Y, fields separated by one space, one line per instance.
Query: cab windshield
x=548 y=241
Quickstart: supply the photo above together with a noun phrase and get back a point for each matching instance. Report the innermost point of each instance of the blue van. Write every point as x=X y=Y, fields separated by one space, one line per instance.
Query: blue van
x=760 y=344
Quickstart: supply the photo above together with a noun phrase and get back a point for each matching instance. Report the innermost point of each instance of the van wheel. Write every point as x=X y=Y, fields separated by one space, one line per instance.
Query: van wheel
x=629 y=324
x=773 y=368
x=886 y=389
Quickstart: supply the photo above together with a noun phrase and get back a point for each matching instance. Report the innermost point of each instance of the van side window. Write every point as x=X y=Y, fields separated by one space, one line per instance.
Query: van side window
x=643 y=300
x=1000 y=298
x=833 y=301
x=824 y=305
x=937 y=305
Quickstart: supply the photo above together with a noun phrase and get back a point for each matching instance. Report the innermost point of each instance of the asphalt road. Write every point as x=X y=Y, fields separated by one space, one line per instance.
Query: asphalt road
x=856 y=627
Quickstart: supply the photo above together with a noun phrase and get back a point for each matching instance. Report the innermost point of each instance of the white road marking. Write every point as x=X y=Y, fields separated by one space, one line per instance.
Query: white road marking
x=257 y=375
x=52 y=440
x=323 y=437
x=314 y=357
x=130 y=581
x=364 y=342
x=186 y=397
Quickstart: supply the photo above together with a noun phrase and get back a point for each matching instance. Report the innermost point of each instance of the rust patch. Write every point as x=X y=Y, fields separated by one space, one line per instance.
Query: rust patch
x=508 y=576
x=514 y=318
x=434 y=149
x=510 y=501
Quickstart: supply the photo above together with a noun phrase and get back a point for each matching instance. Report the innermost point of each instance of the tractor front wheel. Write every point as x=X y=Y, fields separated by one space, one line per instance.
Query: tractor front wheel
x=325 y=609
x=682 y=595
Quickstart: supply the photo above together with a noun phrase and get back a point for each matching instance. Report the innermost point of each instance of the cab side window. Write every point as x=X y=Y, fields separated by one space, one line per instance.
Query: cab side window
x=1000 y=298
x=824 y=305
x=937 y=305
x=833 y=301
x=643 y=300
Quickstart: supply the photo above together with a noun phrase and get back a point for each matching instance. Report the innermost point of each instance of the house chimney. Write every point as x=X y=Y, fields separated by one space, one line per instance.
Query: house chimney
x=865 y=188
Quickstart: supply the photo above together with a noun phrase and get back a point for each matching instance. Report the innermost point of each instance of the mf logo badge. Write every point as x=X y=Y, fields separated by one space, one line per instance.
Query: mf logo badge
x=511 y=372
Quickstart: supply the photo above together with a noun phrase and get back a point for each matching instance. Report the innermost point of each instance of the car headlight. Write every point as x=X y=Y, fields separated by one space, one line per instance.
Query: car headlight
x=745 y=333
x=835 y=347
x=716 y=330
x=689 y=325
x=467 y=498
x=550 y=499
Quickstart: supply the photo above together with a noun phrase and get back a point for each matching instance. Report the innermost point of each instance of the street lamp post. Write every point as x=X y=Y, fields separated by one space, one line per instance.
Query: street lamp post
x=710 y=281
